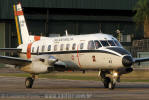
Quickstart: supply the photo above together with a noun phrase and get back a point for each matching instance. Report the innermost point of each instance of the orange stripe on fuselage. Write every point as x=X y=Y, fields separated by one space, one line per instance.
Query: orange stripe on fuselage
x=78 y=56
x=29 y=50
x=36 y=38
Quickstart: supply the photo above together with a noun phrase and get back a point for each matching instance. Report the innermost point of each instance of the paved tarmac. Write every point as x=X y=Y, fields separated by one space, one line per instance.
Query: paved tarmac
x=13 y=88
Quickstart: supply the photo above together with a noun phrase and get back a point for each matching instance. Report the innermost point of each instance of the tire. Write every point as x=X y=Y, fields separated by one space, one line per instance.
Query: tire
x=29 y=82
x=106 y=82
x=111 y=85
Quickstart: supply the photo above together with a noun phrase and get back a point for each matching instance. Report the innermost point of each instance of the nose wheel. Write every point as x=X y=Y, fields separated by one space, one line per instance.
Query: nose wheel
x=29 y=82
x=108 y=83
x=111 y=85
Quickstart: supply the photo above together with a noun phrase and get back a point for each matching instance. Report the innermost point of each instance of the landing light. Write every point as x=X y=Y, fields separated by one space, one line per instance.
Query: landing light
x=115 y=74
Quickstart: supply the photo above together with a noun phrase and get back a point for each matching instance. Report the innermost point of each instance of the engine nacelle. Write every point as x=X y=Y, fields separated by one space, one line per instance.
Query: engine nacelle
x=52 y=60
x=60 y=68
x=56 y=68
x=128 y=70
x=125 y=70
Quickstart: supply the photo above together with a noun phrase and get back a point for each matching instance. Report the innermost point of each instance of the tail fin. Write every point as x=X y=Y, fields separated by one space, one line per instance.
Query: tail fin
x=22 y=31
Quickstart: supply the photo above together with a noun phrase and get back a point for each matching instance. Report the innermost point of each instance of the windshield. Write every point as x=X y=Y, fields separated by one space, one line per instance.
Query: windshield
x=111 y=42
x=117 y=43
x=104 y=43
x=97 y=44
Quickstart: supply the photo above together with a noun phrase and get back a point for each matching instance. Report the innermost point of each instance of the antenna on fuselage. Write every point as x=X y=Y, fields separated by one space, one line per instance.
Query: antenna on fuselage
x=100 y=31
x=66 y=32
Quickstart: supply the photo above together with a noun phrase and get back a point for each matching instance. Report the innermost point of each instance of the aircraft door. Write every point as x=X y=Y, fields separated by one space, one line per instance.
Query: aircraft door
x=80 y=53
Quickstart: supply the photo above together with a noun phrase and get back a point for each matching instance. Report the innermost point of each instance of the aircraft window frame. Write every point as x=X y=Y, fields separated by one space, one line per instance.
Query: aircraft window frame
x=43 y=48
x=67 y=46
x=106 y=42
x=117 y=43
x=99 y=44
x=61 y=47
x=49 y=47
x=91 y=45
x=73 y=46
x=111 y=41
x=81 y=45
x=55 y=47
x=32 y=49
x=37 y=50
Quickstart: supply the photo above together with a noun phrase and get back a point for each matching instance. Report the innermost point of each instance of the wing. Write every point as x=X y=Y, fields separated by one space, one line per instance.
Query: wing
x=10 y=50
x=141 y=59
x=14 y=61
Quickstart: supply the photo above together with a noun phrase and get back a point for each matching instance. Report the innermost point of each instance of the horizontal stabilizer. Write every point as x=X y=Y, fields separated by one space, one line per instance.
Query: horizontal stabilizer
x=14 y=61
x=10 y=50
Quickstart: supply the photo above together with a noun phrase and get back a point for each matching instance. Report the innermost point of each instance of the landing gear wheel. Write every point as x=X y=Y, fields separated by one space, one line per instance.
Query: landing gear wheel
x=111 y=85
x=106 y=82
x=29 y=82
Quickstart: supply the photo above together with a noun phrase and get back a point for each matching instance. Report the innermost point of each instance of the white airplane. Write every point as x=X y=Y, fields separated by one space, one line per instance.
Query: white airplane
x=40 y=55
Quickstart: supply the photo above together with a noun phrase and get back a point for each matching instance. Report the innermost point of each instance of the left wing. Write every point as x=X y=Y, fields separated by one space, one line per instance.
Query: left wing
x=10 y=50
x=14 y=61
x=140 y=59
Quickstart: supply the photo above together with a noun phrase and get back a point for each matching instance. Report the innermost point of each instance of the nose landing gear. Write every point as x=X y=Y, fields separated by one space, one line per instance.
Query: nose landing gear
x=109 y=81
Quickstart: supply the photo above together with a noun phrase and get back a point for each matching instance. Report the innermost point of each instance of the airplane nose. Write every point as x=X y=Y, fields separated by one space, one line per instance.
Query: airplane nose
x=127 y=61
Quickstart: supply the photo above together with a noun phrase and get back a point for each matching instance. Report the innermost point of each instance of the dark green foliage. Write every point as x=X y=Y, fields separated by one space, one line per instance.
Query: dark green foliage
x=142 y=14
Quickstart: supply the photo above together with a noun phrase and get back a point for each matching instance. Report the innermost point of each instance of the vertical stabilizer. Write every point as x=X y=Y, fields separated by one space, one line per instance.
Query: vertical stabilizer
x=22 y=31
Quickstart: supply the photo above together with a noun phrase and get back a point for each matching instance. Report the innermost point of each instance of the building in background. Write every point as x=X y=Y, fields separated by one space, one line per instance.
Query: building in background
x=45 y=17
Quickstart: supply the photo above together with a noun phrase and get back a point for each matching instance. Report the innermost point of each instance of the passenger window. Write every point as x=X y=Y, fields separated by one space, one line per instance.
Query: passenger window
x=97 y=44
x=67 y=46
x=104 y=43
x=32 y=49
x=111 y=42
x=55 y=47
x=74 y=46
x=61 y=47
x=49 y=48
x=81 y=45
x=91 y=45
x=43 y=48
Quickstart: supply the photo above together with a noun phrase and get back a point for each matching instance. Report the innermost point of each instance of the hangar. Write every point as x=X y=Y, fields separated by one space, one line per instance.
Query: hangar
x=45 y=17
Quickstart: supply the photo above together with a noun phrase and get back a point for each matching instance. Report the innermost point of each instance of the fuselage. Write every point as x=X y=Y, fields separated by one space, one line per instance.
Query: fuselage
x=92 y=51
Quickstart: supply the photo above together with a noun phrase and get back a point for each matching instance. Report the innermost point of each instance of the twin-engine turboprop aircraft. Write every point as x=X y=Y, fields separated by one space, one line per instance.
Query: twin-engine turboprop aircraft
x=81 y=52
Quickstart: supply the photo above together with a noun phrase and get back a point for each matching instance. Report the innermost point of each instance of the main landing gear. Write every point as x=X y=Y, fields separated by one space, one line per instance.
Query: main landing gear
x=109 y=81
x=29 y=81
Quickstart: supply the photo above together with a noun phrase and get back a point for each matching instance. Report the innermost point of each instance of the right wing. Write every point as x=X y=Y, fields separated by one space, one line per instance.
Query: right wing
x=14 y=61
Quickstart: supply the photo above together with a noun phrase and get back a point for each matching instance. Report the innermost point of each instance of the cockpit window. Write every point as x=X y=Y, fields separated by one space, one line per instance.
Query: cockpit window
x=111 y=42
x=97 y=44
x=91 y=45
x=104 y=43
x=117 y=43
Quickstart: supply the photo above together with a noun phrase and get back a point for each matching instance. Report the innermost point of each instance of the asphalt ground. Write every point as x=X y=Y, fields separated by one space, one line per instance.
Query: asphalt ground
x=13 y=88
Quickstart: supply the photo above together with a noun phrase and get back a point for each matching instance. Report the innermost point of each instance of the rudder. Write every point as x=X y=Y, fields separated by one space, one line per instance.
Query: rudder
x=22 y=30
